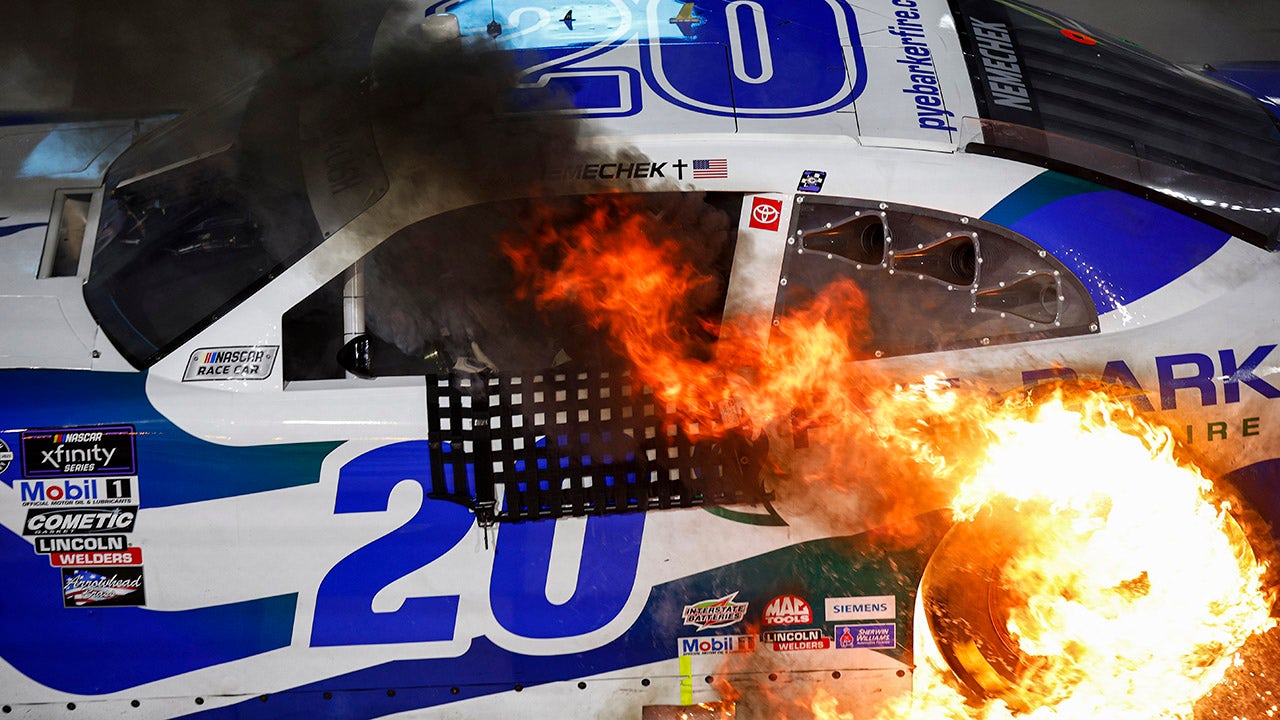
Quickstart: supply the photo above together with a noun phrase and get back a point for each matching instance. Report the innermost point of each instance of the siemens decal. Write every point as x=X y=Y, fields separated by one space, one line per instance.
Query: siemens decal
x=918 y=59
x=875 y=607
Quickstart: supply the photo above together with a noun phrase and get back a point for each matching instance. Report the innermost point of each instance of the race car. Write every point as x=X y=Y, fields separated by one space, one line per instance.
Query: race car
x=285 y=436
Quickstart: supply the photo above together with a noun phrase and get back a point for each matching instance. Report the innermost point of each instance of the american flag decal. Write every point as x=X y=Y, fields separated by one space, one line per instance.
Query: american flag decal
x=712 y=168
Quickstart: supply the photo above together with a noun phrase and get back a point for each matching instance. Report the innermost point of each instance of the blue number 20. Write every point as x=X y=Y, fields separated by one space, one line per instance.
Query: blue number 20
x=344 y=603
x=344 y=612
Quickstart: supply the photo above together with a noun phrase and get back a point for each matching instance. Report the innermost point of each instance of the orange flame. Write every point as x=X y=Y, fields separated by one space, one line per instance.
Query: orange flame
x=1123 y=589
x=635 y=279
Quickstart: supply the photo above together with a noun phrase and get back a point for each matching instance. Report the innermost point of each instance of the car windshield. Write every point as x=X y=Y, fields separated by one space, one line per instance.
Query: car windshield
x=1058 y=93
x=202 y=214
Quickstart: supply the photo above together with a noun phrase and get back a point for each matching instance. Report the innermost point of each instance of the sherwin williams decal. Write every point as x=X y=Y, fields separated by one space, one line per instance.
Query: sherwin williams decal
x=185 y=468
x=231 y=363
x=6 y=456
x=879 y=636
x=1120 y=247
x=720 y=612
x=103 y=587
x=78 y=451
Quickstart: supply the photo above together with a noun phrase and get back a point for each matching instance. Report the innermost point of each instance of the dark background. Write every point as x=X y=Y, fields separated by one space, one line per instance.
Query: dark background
x=146 y=55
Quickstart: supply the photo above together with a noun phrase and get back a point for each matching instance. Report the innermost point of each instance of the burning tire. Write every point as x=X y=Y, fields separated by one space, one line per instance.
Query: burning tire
x=968 y=603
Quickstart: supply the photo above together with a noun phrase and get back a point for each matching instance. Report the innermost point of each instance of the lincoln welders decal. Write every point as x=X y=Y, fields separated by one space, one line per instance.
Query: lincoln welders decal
x=127 y=556
x=231 y=363
x=46 y=545
x=797 y=639
x=80 y=521
x=102 y=587
x=79 y=451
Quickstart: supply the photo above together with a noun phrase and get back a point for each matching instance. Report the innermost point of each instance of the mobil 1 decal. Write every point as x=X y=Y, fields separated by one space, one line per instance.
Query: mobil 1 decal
x=79 y=452
x=102 y=587
x=65 y=492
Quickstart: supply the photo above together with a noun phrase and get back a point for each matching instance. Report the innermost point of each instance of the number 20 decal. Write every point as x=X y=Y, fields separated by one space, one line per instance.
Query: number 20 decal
x=344 y=613
x=735 y=59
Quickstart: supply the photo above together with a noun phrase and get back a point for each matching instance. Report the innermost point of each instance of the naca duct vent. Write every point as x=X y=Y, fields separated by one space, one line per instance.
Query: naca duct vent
x=576 y=442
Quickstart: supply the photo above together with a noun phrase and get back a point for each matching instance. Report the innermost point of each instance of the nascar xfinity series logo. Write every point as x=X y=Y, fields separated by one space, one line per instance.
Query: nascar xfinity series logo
x=102 y=587
x=231 y=363
x=71 y=452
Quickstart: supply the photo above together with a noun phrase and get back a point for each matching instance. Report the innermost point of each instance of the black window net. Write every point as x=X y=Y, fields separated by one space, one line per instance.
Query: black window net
x=574 y=442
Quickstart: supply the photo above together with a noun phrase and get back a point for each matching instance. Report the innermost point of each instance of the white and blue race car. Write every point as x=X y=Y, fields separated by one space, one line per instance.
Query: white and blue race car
x=277 y=440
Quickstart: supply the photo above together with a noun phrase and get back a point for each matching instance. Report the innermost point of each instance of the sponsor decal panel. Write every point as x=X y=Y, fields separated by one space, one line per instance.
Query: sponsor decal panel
x=103 y=587
x=799 y=639
x=243 y=362
x=79 y=452
x=79 y=521
x=920 y=79
x=766 y=213
x=714 y=613
x=787 y=610
x=127 y=556
x=716 y=645
x=68 y=492
x=6 y=456
x=879 y=635
x=874 y=607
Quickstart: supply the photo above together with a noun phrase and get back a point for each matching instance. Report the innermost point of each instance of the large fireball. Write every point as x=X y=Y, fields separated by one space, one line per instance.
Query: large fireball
x=1090 y=574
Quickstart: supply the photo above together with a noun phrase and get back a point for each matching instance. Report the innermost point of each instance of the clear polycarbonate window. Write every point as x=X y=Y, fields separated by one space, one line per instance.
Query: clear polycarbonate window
x=931 y=281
